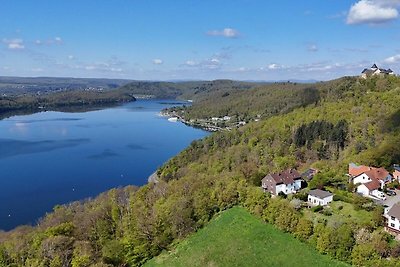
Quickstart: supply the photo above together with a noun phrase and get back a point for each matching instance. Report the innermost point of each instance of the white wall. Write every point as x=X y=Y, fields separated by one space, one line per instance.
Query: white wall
x=362 y=189
x=361 y=179
x=318 y=201
x=393 y=223
x=290 y=188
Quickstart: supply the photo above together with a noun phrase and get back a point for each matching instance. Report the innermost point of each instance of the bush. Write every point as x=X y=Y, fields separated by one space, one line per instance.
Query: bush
x=317 y=208
x=327 y=212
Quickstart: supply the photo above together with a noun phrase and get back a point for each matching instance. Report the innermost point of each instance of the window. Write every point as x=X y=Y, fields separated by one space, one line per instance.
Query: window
x=392 y=218
x=392 y=225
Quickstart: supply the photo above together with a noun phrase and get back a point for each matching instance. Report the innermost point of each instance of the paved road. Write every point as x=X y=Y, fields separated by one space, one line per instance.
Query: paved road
x=391 y=200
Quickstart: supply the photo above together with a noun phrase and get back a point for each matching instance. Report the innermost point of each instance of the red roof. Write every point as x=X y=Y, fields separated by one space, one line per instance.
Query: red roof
x=377 y=173
x=285 y=177
x=374 y=184
x=355 y=170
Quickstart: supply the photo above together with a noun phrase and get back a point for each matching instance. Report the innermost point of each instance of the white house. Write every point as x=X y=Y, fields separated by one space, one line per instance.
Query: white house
x=287 y=182
x=319 y=197
x=374 y=70
x=393 y=219
x=371 y=189
x=373 y=174
x=369 y=180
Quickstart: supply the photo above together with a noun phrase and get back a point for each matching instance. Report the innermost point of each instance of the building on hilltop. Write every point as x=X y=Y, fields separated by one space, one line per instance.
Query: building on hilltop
x=374 y=70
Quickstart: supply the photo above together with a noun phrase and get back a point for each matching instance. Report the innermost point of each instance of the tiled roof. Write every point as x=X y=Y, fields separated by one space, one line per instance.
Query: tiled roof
x=377 y=173
x=355 y=170
x=373 y=185
x=285 y=177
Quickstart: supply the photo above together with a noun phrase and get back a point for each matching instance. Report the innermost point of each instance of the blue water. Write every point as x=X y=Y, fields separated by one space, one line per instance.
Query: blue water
x=53 y=158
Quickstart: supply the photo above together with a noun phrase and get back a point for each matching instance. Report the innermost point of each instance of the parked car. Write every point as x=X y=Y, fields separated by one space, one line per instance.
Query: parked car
x=391 y=193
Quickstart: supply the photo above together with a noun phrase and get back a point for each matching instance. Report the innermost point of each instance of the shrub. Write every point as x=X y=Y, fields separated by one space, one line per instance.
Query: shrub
x=317 y=208
x=327 y=212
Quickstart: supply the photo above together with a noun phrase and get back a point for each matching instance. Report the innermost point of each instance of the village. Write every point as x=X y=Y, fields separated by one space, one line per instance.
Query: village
x=374 y=183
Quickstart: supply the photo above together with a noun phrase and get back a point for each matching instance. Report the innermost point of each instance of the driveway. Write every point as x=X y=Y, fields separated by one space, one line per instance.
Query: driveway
x=391 y=200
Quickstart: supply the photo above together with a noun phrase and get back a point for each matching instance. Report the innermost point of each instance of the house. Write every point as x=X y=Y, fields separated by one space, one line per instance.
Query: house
x=369 y=180
x=396 y=173
x=287 y=182
x=374 y=70
x=393 y=219
x=309 y=174
x=371 y=189
x=319 y=197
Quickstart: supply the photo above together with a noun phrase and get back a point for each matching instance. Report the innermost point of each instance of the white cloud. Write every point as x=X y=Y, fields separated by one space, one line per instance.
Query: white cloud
x=210 y=63
x=373 y=11
x=190 y=63
x=312 y=48
x=274 y=66
x=393 y=59
x=14 y=44
x=227 y=32
x=51 y=41
x=71 y=57
x=157 y=61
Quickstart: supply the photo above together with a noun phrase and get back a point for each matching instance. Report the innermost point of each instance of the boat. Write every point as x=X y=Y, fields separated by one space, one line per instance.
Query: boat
x=173 y=119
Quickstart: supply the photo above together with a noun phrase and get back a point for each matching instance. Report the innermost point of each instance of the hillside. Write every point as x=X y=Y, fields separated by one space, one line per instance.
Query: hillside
x=194 y=90
x=13 y=86
x=29 y=95
x=237 y=238
x=353 y=121
x=63 y=101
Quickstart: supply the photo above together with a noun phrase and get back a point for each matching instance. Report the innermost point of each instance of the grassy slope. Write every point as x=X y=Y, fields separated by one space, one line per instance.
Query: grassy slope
x=237 y=238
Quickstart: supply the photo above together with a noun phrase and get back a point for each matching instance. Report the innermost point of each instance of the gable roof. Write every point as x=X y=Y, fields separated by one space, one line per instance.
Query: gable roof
x=320 y=193
x=377 y=173
x=373 y=185
x=285 y=177
x=372 y=172
x=395 y=210
x=374 y=66
x=368 y=71
x=355 y=170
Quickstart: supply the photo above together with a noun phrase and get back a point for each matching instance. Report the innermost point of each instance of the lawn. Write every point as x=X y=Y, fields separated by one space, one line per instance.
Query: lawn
x=237 y=238
x=342 y=212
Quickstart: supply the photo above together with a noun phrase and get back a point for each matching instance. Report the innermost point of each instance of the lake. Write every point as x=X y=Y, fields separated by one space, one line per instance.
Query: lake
x=54 y=158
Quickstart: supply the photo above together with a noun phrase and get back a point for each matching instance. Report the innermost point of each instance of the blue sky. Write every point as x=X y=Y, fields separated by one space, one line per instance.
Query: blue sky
x=204 y=39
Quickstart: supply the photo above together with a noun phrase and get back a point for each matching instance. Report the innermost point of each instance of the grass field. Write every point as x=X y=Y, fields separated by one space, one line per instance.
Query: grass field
x=237 y=238
x=341 y=212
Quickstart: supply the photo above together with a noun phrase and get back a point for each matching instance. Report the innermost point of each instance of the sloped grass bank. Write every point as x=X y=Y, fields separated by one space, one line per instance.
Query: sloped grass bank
x=237 y=238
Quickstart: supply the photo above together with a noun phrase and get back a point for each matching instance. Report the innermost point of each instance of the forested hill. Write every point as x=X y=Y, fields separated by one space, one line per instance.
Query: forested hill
x=62 y=101
x=264 y=100
x=28 y=95
x=12 y=86
x=194 y=90
x=353 y=121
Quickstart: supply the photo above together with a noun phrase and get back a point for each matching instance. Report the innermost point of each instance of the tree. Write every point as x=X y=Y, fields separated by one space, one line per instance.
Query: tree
x=362 y=254
x=304 y=229
x=344 y=242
